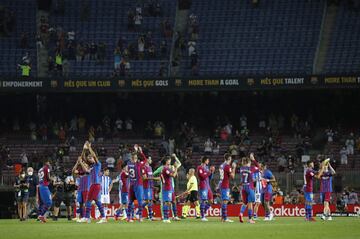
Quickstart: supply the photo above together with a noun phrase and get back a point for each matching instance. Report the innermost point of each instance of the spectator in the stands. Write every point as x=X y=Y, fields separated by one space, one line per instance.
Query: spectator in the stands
x=71 y=36
x=62 y=134
x=93 y=51
x=129 y=124
x=138 y=21
x=233 y=149
x=353 y=197
x=24 y=159
x=73 y=124
x=343 y=156
x=152 y=51
x=119 y=124
x=110 y=161
x=191 y=47
x=141 y=47
x=25 y=70
x=216 y=148
x=51 y=65
x=350 y=143
x=282 y=163
x=26 y=59
x=243 y=121
x=117 y=58
x=166 y=28
x=208 y=146
x=330 y=135
x=59 y=62
x=159 y=129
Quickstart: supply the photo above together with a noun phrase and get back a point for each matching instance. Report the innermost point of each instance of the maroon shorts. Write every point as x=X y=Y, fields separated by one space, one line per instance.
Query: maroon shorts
x=94 y=192
x=325 y=197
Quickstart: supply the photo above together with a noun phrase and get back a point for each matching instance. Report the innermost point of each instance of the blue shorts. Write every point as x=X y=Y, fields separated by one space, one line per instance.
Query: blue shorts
x=167 y=196
x=204 y=194
x=45 y=195
x=148 y=194
x=248 y=195
x=225 y=194
x=124 y=198
x=309 y=196
x=136 y=192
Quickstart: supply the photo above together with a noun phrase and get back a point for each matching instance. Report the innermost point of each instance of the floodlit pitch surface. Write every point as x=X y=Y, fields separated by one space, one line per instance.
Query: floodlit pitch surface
x=291 y=228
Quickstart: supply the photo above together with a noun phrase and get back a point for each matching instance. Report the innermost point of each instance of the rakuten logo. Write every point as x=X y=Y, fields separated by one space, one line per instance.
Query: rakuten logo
x=212 y=212
x=288 y=212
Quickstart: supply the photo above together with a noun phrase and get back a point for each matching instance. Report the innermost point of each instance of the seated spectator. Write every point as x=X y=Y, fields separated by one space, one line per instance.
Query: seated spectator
x=62 y=134
x=233 y=149
x=129 y=124
x=279 y=199
x=350 y=143
x=343 y=156
x=208 y=146
x=110 y=161
x=282 y=163
x=216 y=149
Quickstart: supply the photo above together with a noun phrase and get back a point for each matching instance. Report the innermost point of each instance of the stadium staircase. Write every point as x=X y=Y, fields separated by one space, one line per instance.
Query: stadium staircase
x=42 y=51
x=328 y=22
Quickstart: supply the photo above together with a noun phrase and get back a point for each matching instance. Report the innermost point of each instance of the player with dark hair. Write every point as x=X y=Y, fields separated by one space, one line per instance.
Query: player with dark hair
x=95 y=177
x=123 y=181
x=83 y=185
x=267 y=181
x=44 y=194
x=227 y=173
x=167 y=174
x=136 y=189
x=204 y=175
x=148 y=188
x=310 y=174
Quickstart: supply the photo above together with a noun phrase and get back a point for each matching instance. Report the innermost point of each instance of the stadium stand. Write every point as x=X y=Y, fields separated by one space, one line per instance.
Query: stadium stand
x=343 y=55
x=277 y=37
x=20 y=36
x=107 y=22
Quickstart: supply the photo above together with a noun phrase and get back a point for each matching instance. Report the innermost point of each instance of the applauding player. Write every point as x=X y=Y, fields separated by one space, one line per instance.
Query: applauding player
x=267 y=190
x=136 y=189
x=247 y=183
x=204 y=174
x=326 y=188
x=226 y=174
x=93 y=162
x=310 y=173
x=167 y=174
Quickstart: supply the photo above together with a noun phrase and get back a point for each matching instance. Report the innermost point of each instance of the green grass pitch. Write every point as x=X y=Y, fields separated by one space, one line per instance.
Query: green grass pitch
x=291 y=228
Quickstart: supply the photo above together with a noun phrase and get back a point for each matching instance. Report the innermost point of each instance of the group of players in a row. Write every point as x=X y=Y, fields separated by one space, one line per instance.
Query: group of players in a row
x=136 y=182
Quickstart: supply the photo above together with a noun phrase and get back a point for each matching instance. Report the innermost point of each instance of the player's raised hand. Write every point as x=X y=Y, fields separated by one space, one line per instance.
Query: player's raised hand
x=212 y=169
x=234 y=165
x=136 y=147
x=252 y=157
